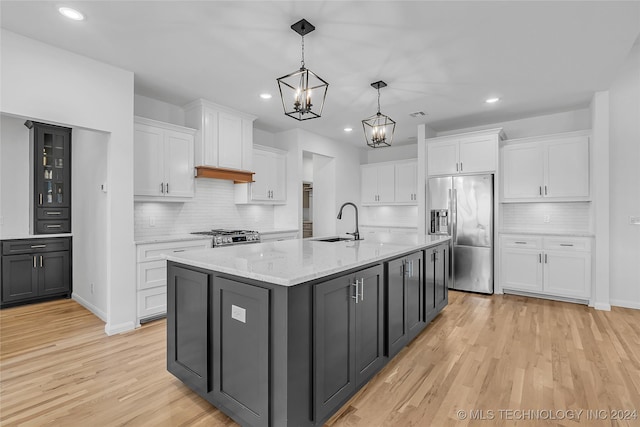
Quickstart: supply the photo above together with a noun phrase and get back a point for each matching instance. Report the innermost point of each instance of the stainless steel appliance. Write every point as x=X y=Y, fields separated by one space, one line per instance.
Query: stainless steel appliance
x=462 y=207
x=231 y=237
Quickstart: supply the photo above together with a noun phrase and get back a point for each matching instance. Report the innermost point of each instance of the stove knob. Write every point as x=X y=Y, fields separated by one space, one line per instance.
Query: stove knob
x=228 y=239
x=218 y=240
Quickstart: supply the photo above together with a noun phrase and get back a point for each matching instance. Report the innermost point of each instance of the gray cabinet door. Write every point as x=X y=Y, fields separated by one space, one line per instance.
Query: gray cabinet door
x=396 y=307
x=53 y=273
x=334 y=344
x=369 y=328
x=441 y=275
x=430 y=284
x=19 y=277
x=241 y=349
x=188 y=326
x=415 y=285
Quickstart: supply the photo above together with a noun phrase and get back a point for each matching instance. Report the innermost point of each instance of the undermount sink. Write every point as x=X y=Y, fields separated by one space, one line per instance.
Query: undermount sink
x=333 y=239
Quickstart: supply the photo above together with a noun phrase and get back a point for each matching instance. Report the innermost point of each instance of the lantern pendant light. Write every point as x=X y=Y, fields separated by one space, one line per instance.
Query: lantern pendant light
x=378 y=129
x=302 y=92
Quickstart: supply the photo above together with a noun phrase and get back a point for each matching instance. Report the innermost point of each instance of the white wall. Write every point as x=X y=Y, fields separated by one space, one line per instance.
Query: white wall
x=89 y=219
x=547 y=124
x=387 y=154
x=14 y=178
x=624 y=102
x=150 y=108
x=52 y=85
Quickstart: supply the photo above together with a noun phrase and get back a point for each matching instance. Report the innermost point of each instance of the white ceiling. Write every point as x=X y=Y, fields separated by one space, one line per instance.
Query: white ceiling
x=442 y=58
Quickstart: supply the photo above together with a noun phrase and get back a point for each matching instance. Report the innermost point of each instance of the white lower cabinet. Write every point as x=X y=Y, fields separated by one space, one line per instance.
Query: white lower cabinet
x=550 y=266
x=151 y=286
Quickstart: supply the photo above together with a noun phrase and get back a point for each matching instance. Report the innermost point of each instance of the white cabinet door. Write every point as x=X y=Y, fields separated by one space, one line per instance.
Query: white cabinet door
x=207 y=152
x=567 y=273
x=369 y=184
x=567 y=168
x=521 y=269
x=279 y=178
x=406 y=182
x=178 y=158
x=523 y=171
x=478 y=154
x=229 y=141
x=386 y=183
x=442 y=158
x=262 y=176
x=148 y=155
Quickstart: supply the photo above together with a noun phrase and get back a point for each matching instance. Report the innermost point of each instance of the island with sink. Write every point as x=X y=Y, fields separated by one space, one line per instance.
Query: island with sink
x=284 y=333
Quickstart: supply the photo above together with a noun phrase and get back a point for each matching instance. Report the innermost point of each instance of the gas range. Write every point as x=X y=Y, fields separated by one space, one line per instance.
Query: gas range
x=231 y=237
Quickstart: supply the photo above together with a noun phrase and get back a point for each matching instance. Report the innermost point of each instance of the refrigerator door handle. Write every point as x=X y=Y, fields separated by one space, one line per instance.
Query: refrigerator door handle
x=454 y=215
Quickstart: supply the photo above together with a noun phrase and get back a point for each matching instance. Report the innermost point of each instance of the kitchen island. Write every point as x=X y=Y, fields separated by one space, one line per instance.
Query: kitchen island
x=284 y=333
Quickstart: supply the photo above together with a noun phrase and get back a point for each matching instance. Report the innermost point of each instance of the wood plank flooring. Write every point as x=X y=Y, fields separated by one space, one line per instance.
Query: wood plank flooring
x=513 y=360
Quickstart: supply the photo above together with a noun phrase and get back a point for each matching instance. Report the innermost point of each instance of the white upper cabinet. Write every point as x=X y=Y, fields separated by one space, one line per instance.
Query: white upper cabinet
x=224 y=138
x=269 y=180
x=474 y=152
x=163 y=161
x=406 y=182
x=550 y=168
x=389 y=183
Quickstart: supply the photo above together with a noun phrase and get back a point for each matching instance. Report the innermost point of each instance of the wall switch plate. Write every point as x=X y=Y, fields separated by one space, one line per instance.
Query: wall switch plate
x=634 y=220
x=152 y=221
x=238 y=313
x=546 y=219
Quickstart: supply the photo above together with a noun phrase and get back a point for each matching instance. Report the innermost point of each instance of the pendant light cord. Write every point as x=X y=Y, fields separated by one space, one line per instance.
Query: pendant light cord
x=378 y=101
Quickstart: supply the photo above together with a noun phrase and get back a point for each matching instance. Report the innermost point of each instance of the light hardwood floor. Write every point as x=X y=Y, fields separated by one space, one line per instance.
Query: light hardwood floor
x=498 y=353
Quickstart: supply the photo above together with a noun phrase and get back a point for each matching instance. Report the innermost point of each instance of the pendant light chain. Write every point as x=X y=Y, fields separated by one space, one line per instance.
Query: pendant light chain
x=302 y=62
x=378 y=101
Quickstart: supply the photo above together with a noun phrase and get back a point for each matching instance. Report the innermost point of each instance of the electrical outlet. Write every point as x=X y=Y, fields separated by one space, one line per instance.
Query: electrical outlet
x=546 y=219
x=152 y=221
x=634 y=220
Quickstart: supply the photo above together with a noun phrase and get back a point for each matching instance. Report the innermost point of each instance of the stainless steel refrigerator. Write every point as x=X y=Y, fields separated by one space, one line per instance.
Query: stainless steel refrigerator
x=462 y=207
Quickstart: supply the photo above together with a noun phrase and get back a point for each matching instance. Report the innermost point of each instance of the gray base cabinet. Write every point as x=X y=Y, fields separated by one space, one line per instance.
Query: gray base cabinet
x=269 y=355
x=437 y=276
x=35 y=269
x=405 y=301
x=349 y=335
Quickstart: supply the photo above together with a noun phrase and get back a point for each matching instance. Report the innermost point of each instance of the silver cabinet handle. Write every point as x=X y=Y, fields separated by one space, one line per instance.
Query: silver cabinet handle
x=162 y=187
x=545 y=258
x=566 y=244
x=167 y=188
x=362 y=289
x=40 y=261
x=40 y=198
x=38 y=246
x=540 y=188
x=540 y=258
x=54 y=226
x=34 y=262
x=357 y=295
x=53 y=213
x=521 y=243
x=461 y=168
x=545 y=190
x=456 y=166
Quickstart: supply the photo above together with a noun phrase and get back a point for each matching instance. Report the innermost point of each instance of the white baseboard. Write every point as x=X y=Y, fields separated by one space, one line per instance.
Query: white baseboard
x=602 y=306
x=89 y=306
x=110 y=329
x=625 y=304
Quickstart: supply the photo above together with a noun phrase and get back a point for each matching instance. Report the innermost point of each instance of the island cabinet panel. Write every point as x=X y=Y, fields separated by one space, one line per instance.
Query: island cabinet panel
x=241 y=349
x=188 y=326
x=405 y=301
x=348 y=340
x=437 y=274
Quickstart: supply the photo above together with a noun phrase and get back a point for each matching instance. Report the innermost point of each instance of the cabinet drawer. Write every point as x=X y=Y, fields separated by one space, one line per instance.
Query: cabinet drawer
x=28 y=246
x=152 y=274
x=522 y=242
x=155 y=251
x=582 y=244
x=152 y=302
x=53 y=213
x=53 y=226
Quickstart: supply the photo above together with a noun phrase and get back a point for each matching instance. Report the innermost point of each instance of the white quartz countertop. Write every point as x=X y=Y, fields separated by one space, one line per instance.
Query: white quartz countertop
x=35 y=236
x=291 y=262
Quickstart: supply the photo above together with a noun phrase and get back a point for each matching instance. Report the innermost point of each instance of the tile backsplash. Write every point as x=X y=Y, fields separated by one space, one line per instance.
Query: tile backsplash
x=390 y=216
x=572 y=217
x=212 y=207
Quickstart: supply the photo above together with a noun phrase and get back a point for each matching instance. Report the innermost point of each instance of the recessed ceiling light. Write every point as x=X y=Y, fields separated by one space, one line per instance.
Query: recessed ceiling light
x=348 y=129
x=71 y=13
x=492 y=100
x=265 y=95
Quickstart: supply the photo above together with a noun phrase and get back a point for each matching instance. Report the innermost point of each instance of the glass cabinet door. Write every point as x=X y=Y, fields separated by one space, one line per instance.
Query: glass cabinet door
x=52 y=157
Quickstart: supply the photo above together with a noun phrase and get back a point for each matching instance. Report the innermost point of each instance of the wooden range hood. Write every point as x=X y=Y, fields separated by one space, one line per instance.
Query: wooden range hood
x=235 y=175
